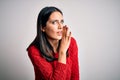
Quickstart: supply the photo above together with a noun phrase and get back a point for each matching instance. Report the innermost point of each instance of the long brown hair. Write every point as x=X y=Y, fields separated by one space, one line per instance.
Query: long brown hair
x=41 y=41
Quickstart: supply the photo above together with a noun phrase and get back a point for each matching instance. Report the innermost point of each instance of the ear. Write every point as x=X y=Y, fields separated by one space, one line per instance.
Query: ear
x=43 y=29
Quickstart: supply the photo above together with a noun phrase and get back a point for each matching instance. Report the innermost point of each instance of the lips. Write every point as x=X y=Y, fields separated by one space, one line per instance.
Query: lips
x=59 y=33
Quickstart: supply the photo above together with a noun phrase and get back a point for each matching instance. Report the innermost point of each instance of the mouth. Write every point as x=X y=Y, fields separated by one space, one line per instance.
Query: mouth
x=59 y=33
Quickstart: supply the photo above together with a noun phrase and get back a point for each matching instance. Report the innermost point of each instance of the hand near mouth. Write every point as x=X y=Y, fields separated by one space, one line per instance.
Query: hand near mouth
x=65 y=42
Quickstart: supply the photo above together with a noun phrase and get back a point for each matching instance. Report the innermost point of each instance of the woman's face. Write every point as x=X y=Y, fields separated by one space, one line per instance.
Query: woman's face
x=54 y=26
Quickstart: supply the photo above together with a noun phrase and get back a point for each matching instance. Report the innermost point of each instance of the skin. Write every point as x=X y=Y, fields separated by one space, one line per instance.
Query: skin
x=55 y=31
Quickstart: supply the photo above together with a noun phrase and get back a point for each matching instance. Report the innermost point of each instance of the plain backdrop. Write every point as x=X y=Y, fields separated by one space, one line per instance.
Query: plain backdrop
x=95 y=24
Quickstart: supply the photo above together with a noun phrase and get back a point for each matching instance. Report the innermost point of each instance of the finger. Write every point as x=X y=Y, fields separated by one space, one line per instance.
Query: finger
x=70 y=34
x=64 y=33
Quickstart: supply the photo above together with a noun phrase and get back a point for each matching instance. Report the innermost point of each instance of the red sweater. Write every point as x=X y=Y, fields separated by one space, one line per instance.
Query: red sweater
x=55 y=70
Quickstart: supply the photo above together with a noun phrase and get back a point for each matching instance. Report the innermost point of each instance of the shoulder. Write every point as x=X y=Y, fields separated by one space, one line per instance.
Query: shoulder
x=73 y=48
x=73 y=42
x=32 y=47
x=33 y=50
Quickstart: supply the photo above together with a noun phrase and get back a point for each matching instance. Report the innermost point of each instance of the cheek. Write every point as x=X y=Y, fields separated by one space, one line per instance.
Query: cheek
x=51 y=34
x=50 y=31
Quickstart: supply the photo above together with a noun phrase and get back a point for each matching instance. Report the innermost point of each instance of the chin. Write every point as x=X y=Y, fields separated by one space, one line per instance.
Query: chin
x=59 y=38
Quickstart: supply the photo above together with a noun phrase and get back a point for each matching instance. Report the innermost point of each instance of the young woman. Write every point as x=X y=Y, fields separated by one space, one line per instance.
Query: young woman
x=54 y=53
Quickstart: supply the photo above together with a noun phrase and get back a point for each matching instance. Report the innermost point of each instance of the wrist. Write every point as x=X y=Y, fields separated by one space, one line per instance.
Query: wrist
x=62 y=57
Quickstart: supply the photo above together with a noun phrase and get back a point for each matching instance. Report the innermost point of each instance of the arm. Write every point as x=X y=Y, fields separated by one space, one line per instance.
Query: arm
x=58 y=73
x=45 y=67
x=75 y=65
x=65 y=42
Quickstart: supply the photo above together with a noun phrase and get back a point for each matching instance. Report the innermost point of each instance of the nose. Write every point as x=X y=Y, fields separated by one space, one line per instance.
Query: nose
x=60 y=25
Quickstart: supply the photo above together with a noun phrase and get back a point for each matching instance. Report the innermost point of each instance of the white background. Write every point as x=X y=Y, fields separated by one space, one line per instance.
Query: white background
x=95 y=24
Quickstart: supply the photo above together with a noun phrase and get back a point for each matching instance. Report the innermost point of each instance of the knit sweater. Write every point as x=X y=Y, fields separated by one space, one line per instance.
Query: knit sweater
x=45 y=70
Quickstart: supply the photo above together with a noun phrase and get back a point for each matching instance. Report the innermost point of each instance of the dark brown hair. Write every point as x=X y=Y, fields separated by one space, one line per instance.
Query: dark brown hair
x=41 y=41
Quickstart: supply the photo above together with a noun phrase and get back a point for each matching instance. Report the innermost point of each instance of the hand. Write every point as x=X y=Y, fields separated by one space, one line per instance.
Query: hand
x=65 y=41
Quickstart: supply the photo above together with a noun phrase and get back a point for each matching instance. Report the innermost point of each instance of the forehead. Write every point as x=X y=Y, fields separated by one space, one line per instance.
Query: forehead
x=56 y=15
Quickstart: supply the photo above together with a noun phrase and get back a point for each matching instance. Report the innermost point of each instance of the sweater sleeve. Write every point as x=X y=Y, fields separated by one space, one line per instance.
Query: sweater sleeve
x=48 y=72
x=74 y=57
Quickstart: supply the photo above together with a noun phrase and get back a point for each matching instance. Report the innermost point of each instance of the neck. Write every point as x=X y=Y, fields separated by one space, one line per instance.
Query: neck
x=54 y=44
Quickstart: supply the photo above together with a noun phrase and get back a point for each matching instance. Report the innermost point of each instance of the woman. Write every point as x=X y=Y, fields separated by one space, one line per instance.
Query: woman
x=54 y=53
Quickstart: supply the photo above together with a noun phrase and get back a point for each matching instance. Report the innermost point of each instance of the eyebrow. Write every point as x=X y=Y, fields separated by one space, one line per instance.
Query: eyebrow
x=57 y=20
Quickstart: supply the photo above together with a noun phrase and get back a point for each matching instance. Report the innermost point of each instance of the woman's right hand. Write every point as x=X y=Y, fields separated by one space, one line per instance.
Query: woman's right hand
x=65 y=42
